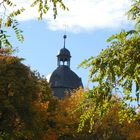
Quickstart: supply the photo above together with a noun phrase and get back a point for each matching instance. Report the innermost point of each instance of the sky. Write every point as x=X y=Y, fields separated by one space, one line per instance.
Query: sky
x=88 y=24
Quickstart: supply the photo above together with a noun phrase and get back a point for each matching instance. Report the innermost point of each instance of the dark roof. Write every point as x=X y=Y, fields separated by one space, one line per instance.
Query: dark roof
x=64 y=52
x=63 y=77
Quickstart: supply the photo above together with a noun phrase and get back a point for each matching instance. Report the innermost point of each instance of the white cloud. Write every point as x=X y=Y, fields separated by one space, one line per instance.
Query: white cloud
x=85 y=15
x=92 y=14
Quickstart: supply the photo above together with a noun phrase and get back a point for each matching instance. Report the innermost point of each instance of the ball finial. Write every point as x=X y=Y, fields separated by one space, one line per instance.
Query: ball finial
x=65 y=36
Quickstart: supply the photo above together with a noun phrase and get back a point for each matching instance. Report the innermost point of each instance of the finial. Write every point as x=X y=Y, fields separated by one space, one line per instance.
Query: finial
x=65 y=36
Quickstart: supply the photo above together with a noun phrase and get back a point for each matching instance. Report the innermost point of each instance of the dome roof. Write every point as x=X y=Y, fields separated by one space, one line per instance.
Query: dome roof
x=63 y=78
x=64 y=52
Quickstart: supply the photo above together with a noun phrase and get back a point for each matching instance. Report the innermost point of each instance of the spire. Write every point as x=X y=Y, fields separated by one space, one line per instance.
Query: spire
x=63 y=57
x=65 y=36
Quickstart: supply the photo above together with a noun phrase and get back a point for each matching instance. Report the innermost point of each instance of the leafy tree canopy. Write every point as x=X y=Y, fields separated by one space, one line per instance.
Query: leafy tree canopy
x=24 y=97
x=115 y=70
x=65 y=118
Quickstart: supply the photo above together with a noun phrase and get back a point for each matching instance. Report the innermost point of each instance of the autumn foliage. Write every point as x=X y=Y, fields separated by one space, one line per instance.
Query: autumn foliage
x=28 y=111
x=67 y=114
x=23 y=100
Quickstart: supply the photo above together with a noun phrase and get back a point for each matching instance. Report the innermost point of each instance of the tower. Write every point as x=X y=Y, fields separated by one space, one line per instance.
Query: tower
x=63 y=79
x=63 y=57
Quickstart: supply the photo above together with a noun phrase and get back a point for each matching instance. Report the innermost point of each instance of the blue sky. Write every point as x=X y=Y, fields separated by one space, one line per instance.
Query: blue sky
x=87 y=30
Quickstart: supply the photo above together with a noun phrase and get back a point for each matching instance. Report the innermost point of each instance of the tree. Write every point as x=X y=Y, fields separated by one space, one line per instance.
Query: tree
x=24 y=98
x=24 y=95
x=65 y=116
x=65 y=119
x=110 y=127
x=116 y=69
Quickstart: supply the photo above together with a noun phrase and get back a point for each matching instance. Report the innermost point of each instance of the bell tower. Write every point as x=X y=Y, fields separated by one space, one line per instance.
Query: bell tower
x=63 y=57
x=63 y=80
